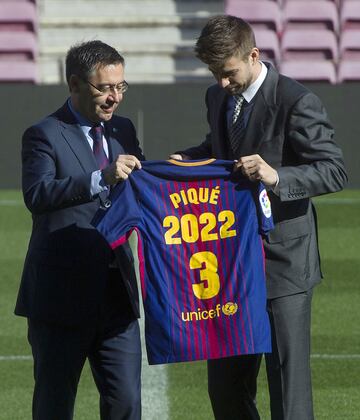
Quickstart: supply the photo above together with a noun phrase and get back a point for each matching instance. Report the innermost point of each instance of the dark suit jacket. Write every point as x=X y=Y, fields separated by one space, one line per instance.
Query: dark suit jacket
x=289 y=129
x=66 y=266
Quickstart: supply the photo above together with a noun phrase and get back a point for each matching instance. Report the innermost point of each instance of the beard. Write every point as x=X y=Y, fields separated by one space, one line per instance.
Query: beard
x=237 y=88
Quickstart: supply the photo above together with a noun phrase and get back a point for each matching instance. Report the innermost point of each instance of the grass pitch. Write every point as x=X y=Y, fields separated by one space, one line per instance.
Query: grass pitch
x=335 y=332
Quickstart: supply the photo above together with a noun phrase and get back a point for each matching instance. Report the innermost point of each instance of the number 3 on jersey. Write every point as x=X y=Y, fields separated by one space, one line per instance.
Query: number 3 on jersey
x=207 y=263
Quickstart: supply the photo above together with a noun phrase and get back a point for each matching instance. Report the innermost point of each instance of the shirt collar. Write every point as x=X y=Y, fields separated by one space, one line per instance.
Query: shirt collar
x=84 y=123
x=251 y=91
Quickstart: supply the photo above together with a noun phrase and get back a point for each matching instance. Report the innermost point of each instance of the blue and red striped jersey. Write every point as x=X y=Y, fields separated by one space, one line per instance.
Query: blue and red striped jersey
x=200 y=228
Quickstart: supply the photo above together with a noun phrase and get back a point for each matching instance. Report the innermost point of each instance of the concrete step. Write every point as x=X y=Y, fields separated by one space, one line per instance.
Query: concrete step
x=123 y=9
x=147 y=21
x=139 y=69
x=156 y=37
x=184 y=48
x=121 y=37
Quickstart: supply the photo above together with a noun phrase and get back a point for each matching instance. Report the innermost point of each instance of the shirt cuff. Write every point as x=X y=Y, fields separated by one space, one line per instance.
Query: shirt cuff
x=97 y=183
x=276 y=188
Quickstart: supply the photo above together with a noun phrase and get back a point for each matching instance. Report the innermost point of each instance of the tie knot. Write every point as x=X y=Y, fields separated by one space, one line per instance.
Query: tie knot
x=96 y=132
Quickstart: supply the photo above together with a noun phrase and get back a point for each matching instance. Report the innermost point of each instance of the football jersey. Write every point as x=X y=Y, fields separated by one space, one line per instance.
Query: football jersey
x=200 y=228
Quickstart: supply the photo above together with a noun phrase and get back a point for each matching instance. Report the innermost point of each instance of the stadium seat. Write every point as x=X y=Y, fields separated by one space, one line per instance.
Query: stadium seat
x=18 y=15
x=20 y=1
x=349 y=44
x=268 y=43
x=18 y=71
x=350 y=14
x=261 y=14
x=337 y=2
x=226 y=2
x=309 y=44
x=348 y=70
x=310 y=71
x=321 y=14
x=18 y=45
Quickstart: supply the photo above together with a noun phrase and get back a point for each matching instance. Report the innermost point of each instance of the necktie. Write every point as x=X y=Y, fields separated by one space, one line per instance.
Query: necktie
x=96 y=133
x=237 y=127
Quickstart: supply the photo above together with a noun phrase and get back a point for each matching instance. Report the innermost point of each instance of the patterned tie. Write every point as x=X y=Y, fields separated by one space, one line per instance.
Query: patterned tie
x=237 y=128
x=96 y=133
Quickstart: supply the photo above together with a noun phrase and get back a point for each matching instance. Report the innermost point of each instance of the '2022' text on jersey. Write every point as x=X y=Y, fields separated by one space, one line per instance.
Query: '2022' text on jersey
x=200 y=228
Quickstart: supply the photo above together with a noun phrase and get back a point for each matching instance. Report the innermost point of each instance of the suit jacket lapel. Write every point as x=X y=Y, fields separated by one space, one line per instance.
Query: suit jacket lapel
x=220 y=126
x=262 y=114
x=78 y=143
x=114 y=145
x=76 y=139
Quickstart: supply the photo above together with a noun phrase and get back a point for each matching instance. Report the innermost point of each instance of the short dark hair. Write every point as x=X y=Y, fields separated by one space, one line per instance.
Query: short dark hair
x=85 y=57
x=223 y=37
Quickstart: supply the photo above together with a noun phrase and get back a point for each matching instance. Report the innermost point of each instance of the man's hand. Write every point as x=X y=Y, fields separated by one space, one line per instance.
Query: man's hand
x=256 y=169
x=177 y=156
x=120 y=169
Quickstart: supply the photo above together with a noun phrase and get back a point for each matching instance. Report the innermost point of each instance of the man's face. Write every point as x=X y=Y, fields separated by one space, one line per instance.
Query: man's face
x=88 y=98
x=238 y=73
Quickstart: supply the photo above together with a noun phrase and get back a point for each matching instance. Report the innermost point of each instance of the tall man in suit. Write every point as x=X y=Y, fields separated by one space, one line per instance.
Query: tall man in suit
x=81 y=301
x=283 y=138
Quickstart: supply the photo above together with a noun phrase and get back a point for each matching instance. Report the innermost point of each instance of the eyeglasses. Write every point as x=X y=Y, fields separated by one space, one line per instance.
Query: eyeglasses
x=106 y=89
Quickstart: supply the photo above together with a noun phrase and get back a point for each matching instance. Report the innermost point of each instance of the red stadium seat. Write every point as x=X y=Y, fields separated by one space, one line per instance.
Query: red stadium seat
x=263 y=14
x=268 y=43
x=349 y=70
x=321 y=14
x=310 y=71
x=18 y=71
x=310 y=44
x=349 y=45
x=18 y=45
x=350 y=14
x=20 y=1
x=227 y=2
x=337 y=2
x=18 y=16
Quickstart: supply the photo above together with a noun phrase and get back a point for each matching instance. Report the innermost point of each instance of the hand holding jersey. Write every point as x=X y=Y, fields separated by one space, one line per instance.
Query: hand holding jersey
x=253 y=167
x=256 y=169
x=120 y=169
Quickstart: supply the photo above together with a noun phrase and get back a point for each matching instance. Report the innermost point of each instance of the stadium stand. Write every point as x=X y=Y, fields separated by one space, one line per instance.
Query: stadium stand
x=309 y=43
x=157 y=37
x=350 y=14
x=268 y=43
x=14 y=71
x=349 y=44
x=18 y=45
x=321 y=14
x=18 y=16
x=348 y=71
x=310 y=70
x=319 y=39
x=18 y=41
x=336 y=2
x=261 y=14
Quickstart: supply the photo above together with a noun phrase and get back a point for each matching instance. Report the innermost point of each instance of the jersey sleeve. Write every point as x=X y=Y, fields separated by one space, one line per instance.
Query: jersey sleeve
x=264 y=210
x=124 y=214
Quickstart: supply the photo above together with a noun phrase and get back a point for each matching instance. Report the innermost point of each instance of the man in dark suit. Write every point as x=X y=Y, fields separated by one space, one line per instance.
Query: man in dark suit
x=81 y=301
x=282 y=137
